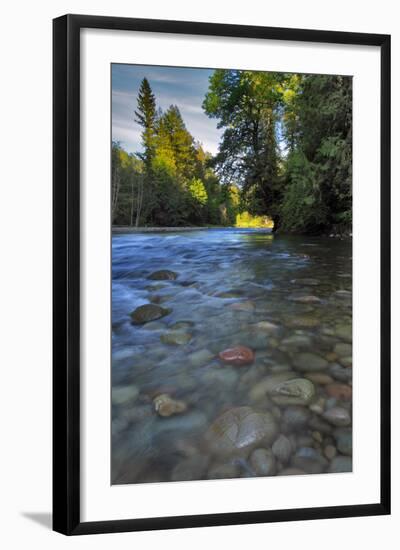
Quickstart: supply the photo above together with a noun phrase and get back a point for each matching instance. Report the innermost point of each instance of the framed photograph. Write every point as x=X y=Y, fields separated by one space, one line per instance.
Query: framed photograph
x=221 y=261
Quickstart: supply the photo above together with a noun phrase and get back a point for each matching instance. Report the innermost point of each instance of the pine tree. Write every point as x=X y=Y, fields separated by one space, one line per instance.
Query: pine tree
x=146 y=116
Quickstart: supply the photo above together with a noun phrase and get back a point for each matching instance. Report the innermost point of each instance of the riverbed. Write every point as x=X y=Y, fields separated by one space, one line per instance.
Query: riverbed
x=180 y=411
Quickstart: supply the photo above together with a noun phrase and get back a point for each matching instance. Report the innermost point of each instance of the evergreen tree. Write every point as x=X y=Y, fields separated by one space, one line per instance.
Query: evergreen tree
x=146 y=117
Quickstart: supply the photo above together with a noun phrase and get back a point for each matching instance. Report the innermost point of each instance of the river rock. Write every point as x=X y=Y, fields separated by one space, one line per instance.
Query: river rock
x=297 y=391
x=295 y=417
x=148 y=312
x=342 y=392
x=282 y=449
x=238 y=355
x=316 y=423
x=318 y=406
x=344 y=374
x=317 y=437
x=176 y=337
x=346 y=361
x=331 y=356
x=330 y=452
x=200 y=357
x=344 y=331
x=318 y=378
x=344 y=440
x=341 y=464
x=309 y=460
x=266 y=326
x=302 y=321
x=295 y=341
x=263 y=462
x=190 y=469
x=163 y=275
x=266 y=385
x=186 y=425
x=343 y=350
x=337 y=416
x=309 y=362
x=165 y=405
x=121 y=395
x=239 y=430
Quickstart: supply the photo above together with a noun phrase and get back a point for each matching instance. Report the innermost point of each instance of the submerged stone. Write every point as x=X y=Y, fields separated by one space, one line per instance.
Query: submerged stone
x=344 y=440
x=238 y=355
x=176 y=337
x=337 y=416
x=343 y=392
x=163 y=275
x=121 y=395
x=282 y=449
x=164 y=405
x=239 y=430
x=298 y=391
x=263 y=462
x=148 y=312
x=309 y=362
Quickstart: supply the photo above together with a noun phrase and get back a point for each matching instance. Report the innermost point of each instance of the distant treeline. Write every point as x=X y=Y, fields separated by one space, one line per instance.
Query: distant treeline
x=285 y=155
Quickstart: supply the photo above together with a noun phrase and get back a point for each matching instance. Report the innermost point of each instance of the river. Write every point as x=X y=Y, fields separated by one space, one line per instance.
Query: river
x=286 y=298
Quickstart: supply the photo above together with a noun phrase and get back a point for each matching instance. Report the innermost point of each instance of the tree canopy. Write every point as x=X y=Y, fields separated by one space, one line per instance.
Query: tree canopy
x=285 y=155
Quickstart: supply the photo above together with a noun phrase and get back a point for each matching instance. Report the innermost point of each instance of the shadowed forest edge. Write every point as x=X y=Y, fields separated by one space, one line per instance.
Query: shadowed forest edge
x=284 y=160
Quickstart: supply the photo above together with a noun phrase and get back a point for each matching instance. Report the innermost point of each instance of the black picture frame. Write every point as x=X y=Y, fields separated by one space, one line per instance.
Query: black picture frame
x=66 y=273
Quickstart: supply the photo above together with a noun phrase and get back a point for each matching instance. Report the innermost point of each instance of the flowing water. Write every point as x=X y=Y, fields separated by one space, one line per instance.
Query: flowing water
x=288 y=299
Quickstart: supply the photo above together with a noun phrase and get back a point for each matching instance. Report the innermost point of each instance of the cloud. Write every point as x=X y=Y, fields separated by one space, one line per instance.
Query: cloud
x=182 y=87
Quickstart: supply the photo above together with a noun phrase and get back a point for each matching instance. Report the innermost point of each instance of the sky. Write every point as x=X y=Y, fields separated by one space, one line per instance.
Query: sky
x=179 y=86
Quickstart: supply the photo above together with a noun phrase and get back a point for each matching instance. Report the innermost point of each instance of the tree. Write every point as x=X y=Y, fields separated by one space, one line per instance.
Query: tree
x=247 y=105
x=318 y=168
x=127 y=178
x=146 y=117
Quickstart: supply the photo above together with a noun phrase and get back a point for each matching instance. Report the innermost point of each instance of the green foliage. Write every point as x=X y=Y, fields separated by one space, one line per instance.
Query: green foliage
x=318 y=175
x=284 y=159
x=247 y=104
x=198 y=192
x=302 y=208
x=287 y=142
x=146 y=117
x=127 y=179
x=171 y=183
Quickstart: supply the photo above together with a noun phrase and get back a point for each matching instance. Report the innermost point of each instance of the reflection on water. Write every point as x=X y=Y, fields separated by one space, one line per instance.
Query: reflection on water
x=288 y=299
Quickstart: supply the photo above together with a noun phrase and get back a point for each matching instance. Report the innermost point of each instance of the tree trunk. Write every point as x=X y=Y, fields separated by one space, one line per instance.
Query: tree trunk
x=116 y=180
x=139 y=200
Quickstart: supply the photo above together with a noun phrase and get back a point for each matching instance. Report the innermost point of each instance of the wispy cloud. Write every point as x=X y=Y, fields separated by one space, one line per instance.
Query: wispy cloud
x=185 y=88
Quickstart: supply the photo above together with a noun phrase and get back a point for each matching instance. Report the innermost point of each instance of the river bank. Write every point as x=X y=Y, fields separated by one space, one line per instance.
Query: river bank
x=127 y=229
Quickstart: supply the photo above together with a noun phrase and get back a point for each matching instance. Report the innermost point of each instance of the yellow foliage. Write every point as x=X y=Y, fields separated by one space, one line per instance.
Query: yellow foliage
x=245 y=219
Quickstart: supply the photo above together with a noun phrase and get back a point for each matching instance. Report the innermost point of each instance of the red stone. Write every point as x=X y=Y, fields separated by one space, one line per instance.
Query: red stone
x=239 y=355
x=339 y=391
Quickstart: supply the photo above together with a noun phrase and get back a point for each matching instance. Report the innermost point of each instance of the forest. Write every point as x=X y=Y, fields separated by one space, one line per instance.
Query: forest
x=284 y=159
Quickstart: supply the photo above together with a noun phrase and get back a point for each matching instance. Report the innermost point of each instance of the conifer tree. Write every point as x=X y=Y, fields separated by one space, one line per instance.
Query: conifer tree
x=146 y=116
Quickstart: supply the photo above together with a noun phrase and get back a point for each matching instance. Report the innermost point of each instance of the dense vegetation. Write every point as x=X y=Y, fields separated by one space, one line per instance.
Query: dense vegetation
x=285 y=155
